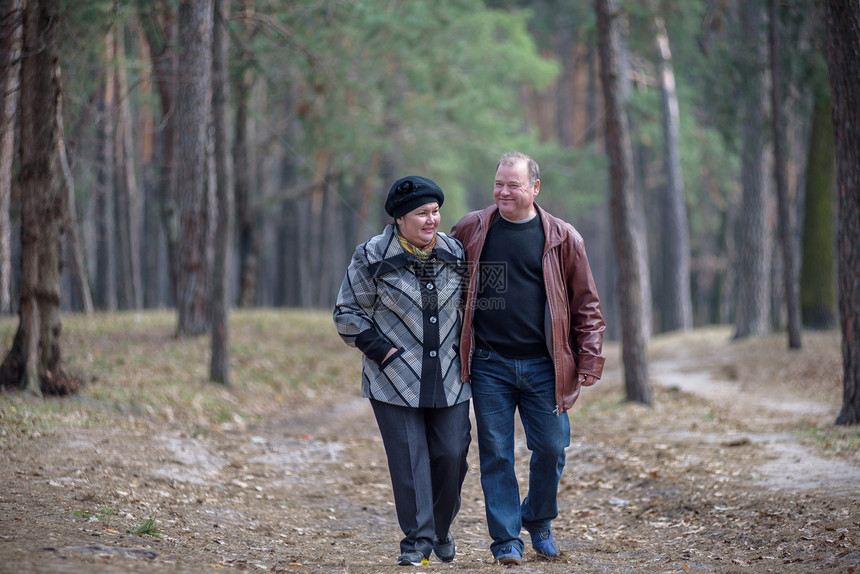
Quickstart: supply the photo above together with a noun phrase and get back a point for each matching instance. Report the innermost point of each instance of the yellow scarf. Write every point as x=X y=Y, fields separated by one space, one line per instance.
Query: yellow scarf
x=420 y=253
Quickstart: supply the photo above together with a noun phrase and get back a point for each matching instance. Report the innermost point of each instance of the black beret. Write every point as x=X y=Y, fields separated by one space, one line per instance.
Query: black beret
x=411 y=192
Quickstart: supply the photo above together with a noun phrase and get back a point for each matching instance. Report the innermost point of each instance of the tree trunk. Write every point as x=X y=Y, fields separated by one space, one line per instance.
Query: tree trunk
x=786 y=214
x=246 y=172
x=317 y=225
x=152 y=263
x=305 y=263
x=288 y=220
x=128 y=214
x=591 y=97
x=295 y=233
x=752 y=306
x=818 y=293
x=843 y=55
x=245 y=185
x=53 y=216
x=639 y=156
x=618 y=148
x=106 y=296
x=33 y=362
x=152 y=235
x=10 y=71
x=219 y=369
x=566 y=44
x=676 y=302
x=362 y=228
x=162 y=31
x=193 y=109
x=79 y=261
x=638 y=152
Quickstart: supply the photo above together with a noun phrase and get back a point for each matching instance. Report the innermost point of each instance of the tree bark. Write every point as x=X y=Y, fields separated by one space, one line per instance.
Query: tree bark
x=786 y=214
x=676 y=301
x=53 y=215
x=317 y=224
x=246 y=172
x=843 y=63
x=618 y=147
x=40 y=92
x=591 y=98
x=161 y=30
x=219 y=369
x=10 y=69
x=818 y=293
x=566 y=44
x=639 y=155
x=193 y=109
x=79 y=261
x=105 y=292
x=152 y=234
x=752 y=306
x=289 y=219
x=246 y=215
x=128 y=214
x=33 y=362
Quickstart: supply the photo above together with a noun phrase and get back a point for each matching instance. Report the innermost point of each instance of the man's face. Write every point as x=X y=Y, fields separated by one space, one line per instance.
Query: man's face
x=512 y=193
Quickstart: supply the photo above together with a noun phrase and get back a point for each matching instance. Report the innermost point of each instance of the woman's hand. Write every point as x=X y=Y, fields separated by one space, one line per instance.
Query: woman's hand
x=388 y=355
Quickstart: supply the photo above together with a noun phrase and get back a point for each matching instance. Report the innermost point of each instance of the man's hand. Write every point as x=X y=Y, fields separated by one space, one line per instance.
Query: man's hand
x=587 y=380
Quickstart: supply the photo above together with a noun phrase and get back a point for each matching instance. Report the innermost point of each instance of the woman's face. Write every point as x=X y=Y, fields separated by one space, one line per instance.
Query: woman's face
x=419 y=225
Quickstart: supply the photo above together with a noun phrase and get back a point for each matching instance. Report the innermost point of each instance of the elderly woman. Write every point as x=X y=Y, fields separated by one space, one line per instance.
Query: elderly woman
x=401 y=305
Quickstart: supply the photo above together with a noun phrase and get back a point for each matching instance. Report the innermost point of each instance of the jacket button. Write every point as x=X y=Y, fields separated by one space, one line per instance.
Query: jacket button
x=433 y=320
x=432 y=354
x=429 y=286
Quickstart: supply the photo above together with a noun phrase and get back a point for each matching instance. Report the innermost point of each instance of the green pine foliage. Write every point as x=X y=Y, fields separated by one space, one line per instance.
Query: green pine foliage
x=433 y=83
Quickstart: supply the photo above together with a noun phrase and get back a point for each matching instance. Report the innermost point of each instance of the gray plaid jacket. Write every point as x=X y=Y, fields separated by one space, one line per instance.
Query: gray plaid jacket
x=388 y=299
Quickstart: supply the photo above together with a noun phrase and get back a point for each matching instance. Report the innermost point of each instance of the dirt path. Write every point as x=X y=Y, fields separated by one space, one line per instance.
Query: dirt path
x=701 y=482
x=784 y=463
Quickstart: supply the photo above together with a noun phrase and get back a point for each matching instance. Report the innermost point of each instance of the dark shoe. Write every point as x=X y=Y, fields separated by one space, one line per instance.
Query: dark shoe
x=544 y=544
x=509 y=556
x=444 y=550
x=412 y=559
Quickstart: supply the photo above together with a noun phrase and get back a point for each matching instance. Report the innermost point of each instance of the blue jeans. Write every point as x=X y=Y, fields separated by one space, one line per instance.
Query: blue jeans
x=499 y=386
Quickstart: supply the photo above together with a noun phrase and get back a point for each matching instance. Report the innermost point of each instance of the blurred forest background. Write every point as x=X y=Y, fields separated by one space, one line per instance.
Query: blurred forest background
x=232 y=153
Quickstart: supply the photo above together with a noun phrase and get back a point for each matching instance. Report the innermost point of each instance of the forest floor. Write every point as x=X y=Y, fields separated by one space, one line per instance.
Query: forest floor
x=736 y=467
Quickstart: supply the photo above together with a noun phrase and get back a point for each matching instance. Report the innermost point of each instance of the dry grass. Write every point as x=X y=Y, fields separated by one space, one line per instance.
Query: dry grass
x=135 y=367
x=813 y=371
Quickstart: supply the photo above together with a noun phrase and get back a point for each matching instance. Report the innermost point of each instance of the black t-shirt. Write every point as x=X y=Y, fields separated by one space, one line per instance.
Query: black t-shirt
x=511 y=296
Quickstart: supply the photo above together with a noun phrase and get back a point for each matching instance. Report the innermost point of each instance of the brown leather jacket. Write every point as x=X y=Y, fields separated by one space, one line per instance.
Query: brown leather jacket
x=574 y=325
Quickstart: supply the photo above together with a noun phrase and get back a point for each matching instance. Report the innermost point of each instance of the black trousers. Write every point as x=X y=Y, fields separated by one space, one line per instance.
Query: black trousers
x=426 y=450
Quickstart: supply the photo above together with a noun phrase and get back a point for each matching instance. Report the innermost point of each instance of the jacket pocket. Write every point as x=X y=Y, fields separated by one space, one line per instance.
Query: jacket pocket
x=390 y=359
